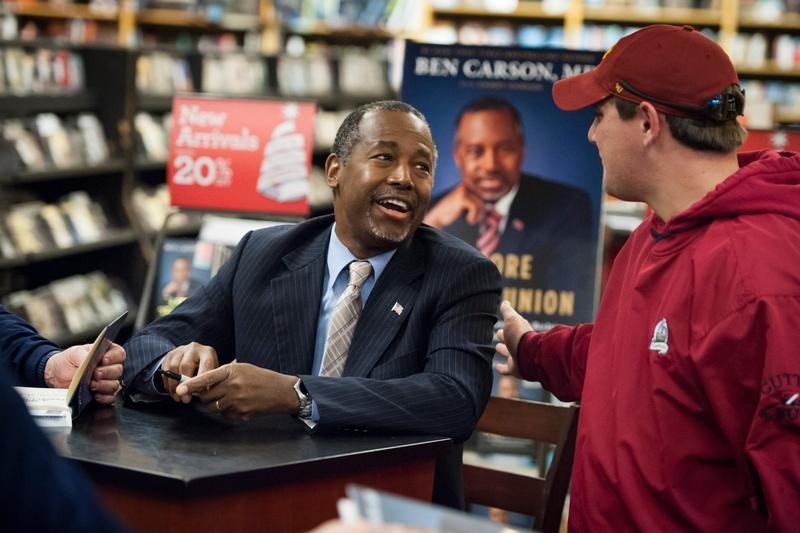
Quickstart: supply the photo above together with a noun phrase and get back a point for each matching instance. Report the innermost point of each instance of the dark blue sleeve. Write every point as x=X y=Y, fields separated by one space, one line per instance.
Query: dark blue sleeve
x=41 y=491
x=23 y=352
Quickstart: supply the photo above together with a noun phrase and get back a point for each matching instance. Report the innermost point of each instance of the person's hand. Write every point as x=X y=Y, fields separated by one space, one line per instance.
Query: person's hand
x=455 y=203
x=107 y=377
x=190 y=360
x=61 y=367
x=514 y=327
x=242 y=390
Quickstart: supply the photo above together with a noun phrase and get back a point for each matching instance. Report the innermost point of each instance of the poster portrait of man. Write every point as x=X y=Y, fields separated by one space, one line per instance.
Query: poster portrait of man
x=178 y=278
x=516 y=179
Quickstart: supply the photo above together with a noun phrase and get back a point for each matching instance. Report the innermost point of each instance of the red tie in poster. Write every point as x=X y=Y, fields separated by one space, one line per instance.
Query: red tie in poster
x=240 y=155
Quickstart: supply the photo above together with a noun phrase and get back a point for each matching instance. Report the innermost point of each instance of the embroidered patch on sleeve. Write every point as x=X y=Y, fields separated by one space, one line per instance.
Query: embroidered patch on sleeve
x=780 y=399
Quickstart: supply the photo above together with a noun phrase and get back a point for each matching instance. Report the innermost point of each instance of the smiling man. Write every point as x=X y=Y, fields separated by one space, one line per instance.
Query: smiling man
x=363 y=319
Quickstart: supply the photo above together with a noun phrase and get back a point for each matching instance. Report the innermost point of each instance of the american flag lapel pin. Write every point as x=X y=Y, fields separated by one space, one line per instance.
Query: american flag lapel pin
x=397 y=308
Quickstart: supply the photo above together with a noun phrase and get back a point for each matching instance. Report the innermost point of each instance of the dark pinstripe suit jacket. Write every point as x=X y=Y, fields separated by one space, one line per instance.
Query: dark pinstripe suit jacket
x=424 y=370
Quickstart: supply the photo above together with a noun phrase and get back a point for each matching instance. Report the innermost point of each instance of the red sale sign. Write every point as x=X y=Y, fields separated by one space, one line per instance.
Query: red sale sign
x=772 y=140
x=240 y=155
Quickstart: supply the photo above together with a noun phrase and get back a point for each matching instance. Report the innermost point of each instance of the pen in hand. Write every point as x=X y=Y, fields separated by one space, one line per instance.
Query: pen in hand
x=180 y=378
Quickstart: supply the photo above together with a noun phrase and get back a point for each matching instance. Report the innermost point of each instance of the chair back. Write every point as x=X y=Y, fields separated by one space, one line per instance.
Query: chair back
x=541 y=496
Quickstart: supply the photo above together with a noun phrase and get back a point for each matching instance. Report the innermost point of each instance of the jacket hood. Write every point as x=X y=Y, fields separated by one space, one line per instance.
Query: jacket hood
x=767 y=182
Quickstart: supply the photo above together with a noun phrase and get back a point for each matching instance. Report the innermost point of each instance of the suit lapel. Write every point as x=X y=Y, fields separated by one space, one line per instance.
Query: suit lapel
x=512 y=238
x=389 y=305
x=297 y=299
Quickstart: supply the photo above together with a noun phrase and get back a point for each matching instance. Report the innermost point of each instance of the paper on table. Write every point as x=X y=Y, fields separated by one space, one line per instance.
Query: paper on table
x=47 y=406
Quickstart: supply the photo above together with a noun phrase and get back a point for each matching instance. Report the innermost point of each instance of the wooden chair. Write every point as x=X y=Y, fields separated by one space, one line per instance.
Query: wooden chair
x=540 y=497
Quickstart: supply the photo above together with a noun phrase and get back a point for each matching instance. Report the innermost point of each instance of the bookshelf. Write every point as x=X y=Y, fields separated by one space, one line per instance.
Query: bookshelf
x=760 y=37
x=125 y=24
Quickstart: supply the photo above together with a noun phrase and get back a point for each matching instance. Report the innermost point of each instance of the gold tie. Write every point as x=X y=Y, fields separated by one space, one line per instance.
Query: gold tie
x=343 y=321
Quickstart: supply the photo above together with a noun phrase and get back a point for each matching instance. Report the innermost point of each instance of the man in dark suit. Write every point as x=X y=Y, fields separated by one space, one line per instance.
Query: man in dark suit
x=33 y=361
x=539 y=233
x=420 y=356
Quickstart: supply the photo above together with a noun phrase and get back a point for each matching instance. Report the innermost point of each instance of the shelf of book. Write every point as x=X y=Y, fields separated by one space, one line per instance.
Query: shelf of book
x=346 y=32
x=88 y=334
x=345 y=101
x=189 y=19
x=525 y=11
x=109 y=167
x=769 y=70
x=641 y=16
x=113 y=238
x=150 y=165
x=64 y=10
x=27 y=104
x=788 y=22
x=154 y=103
x=787 y=117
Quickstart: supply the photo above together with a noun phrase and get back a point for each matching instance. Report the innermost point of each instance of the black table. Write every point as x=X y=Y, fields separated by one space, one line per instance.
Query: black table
x=175 y=468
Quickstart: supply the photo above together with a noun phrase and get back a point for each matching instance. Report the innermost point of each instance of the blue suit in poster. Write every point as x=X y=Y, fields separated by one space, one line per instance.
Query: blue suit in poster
x=517 y=177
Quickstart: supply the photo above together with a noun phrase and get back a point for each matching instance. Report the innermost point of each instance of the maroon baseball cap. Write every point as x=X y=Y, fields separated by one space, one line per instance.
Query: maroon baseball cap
x=675 y=68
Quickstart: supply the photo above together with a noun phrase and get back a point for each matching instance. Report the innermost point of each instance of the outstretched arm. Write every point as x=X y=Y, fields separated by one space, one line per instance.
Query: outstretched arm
x=557 y=358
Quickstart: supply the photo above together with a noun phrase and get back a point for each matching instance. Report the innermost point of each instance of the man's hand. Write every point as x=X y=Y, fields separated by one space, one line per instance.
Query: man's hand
x=190 y=360
x=455 y=203
x=242 y=390
x=60 y=369
x=514 y=327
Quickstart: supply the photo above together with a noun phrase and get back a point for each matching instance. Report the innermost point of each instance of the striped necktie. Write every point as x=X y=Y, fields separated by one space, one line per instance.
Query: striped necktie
x=489 y=236
x=343 y=321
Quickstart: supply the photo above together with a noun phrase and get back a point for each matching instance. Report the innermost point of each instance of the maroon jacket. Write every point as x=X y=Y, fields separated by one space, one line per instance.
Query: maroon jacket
x=689 y=380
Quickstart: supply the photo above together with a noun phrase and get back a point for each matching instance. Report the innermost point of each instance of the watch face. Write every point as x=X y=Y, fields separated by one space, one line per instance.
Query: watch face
x=303 y=399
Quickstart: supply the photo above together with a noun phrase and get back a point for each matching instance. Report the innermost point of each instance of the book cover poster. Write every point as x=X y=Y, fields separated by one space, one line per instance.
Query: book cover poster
x=241 y=155
x=516 y=176
x=778 y=139
x=179 y=274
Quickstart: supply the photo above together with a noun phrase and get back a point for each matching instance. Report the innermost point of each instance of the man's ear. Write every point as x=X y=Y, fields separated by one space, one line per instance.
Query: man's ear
x=650 y=121
x=332 y=167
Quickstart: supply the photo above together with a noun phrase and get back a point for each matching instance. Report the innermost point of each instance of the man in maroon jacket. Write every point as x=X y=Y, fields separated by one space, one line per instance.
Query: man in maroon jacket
x=689 y=380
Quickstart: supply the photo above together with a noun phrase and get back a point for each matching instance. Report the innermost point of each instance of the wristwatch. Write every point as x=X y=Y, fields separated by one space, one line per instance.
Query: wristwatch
x=303 y=398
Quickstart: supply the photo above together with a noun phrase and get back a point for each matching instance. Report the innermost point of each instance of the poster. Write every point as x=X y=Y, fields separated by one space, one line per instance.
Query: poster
x=179 y=275
x=777 y=139
x=240 y=155
x=523 y=186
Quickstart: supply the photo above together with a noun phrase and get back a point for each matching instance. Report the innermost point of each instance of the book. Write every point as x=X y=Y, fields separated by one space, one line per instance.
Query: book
x=48 y=407
x=57 y=407
x=509 y=88
x=178 y=278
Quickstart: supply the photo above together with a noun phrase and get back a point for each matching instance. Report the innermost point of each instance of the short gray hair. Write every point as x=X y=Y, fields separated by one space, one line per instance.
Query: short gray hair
x=348 y=134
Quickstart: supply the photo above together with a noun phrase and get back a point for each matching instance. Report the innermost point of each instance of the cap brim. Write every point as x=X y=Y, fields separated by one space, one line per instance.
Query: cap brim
x=578 y=91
